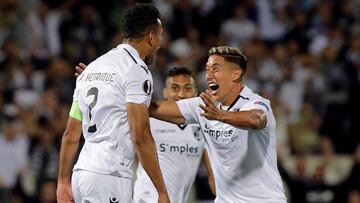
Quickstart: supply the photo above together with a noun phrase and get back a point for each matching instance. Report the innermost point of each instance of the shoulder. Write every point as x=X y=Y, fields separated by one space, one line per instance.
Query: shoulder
x=255 y=100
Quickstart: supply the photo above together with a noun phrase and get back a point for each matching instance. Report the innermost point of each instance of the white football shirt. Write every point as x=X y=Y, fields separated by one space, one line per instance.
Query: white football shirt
x=243 y=160
x=102 y=91
x=180 y=149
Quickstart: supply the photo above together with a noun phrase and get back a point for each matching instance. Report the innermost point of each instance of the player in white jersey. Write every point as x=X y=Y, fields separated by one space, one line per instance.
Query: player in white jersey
x=180 y=148
x=110 y=108
x=239 y=131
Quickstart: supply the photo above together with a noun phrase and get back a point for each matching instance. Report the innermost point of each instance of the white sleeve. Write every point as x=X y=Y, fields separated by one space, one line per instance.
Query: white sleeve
x=138 y=85
x=256 y=104
x=189 y=109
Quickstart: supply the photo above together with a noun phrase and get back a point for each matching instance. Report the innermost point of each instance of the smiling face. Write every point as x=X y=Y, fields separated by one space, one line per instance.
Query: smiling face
x=179 y=87
x=223 y=79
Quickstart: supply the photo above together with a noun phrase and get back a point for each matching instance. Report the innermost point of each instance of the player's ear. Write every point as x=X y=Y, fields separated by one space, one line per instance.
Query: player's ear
x=237 y=74
x=151 y=37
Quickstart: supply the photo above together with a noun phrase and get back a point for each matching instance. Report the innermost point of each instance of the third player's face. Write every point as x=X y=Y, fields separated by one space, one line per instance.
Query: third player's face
x=179 y=87
x=219 y=77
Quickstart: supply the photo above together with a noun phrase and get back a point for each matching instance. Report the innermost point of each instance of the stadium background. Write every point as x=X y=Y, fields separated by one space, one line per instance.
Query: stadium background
x=304 y=55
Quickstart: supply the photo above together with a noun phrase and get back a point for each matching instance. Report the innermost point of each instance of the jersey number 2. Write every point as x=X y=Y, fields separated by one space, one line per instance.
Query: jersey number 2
x=93 y=91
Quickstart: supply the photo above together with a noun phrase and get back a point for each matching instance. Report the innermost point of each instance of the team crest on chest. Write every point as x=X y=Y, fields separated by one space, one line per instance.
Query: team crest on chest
x=197 y=133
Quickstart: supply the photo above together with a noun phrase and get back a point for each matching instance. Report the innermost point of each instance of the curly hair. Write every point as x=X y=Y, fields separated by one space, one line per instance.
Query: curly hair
x=140 y=20
x=230 y=54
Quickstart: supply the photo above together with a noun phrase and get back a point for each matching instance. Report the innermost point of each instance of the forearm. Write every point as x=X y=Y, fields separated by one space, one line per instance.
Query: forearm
x=211 y=179
x=147 y=155
x=166 y=111
x=67 y=155
x=253 y=119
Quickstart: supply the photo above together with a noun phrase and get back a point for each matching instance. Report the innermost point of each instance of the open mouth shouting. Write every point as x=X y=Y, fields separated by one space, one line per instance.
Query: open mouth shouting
x=213 y=87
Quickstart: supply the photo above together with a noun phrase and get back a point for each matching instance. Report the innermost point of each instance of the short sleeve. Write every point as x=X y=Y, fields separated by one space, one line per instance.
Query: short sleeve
x=256 y=104
x=189 y=109
x=138 y=85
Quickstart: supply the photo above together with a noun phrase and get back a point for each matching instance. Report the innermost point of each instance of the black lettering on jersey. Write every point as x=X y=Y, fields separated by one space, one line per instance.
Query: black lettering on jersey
x=145 y=68
x=130 y=55
x=147 y=87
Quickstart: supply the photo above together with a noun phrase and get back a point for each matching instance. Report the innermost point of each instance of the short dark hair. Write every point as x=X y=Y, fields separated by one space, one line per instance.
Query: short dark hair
x=179 y=71
x=231 y=54
x=139 y=20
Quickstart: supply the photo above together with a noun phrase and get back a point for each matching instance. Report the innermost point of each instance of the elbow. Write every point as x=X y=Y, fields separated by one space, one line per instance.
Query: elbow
x=140 y=139
x=258 y=121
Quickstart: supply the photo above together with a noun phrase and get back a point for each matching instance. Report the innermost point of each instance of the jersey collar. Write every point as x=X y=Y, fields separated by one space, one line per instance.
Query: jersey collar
x=243 y=96
x=130 y=49
x=245 y=93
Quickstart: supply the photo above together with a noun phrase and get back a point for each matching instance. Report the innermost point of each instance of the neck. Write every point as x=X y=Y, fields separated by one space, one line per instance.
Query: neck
x=138 y=45
x=232 y=95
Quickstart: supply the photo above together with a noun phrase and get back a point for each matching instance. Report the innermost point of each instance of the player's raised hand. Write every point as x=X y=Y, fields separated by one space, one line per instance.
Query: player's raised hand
x=210 y=110
x=64 y=193
x=79 y=69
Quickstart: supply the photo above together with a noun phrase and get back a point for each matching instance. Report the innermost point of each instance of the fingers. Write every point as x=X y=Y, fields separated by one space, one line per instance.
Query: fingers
x=82 y=66
x=79 y=69
x=207 y=99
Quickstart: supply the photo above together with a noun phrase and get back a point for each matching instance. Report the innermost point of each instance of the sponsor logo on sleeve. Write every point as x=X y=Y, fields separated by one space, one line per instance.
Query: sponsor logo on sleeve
x=262 y=104
x=147 y=88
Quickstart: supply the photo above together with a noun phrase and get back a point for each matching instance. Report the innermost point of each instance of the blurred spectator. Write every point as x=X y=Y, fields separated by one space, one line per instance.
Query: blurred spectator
x=13 y=157
x=43 y=32
x=238 y=30
x=43 y=158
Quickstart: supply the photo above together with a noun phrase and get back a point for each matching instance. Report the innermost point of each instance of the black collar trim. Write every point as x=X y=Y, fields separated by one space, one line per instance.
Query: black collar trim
x=182 y=127
x=130 y=55
x=233 y=103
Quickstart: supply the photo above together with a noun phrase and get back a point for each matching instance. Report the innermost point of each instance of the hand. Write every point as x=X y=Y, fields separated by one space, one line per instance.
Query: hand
x=164 y=198
x=64 y=193
x=79 y=69
x=210 y=110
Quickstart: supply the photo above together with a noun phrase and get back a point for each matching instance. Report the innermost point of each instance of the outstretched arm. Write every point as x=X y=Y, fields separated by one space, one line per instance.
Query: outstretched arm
x=254 y=118
x=145 y=147
x=166 y=111
x=69 y=147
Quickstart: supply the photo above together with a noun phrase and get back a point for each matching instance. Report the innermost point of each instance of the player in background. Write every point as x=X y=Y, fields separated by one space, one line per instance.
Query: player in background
x=110 y=108
x=238 y=127
x=180 y=148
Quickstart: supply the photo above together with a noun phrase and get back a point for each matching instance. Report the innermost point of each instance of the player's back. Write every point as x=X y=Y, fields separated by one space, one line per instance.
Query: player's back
x=101 y=92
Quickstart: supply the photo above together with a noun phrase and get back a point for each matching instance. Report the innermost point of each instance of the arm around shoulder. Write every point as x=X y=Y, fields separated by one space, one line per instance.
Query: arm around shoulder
x=166 y=111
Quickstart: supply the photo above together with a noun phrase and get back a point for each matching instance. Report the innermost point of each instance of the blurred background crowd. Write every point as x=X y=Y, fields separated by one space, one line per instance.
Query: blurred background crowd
x=304 y=55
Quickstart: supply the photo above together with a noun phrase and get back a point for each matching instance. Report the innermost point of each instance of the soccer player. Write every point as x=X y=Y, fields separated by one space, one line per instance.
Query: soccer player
x=238 y=127
x=180 y=148
x=110 y=107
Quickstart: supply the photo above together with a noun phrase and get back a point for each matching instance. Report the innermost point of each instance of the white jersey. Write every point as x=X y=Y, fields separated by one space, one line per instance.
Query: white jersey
x=180 y=149
x=102 y=91
x=243 y=160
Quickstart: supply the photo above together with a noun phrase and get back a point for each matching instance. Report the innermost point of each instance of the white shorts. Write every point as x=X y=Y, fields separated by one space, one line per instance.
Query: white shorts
x=91 y=187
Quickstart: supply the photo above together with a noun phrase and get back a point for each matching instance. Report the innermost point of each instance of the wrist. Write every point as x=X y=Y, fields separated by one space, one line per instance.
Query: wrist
x=64 y=180
x=221 y=116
